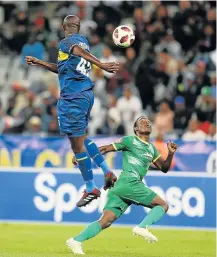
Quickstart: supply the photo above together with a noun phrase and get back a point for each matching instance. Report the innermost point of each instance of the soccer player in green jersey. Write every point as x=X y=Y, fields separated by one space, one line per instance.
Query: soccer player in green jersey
x=138 y=154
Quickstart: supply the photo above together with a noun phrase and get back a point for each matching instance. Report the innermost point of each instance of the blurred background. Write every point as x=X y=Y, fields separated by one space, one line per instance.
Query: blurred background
x=168 y=74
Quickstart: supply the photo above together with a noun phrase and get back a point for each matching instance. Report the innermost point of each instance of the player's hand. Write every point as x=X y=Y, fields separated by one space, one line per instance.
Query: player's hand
x=74 y=161
x=30 y=60
x=111 y=67
x=172 y=147
x=102 y=150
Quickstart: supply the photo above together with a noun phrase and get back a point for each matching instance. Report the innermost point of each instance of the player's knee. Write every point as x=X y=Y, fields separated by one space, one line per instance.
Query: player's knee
x=105 y=223
x=166 y=207
x=77 y=145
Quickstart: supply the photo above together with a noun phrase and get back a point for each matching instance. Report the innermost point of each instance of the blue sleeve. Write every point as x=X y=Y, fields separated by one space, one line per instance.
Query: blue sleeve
x=67 y=44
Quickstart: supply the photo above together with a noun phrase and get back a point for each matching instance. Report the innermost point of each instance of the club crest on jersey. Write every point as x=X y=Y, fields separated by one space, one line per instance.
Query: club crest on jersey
x=119 y=141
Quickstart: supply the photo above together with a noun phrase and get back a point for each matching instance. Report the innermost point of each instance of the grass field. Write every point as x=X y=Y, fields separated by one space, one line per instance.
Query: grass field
x=22 y=240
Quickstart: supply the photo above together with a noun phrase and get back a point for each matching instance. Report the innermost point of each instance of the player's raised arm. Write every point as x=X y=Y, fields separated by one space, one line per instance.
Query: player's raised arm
x=109 y=67
x=30 y=60
x=162 y=164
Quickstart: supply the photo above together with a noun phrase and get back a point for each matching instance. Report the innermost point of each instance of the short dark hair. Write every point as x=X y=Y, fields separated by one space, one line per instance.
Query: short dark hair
x=135 y=123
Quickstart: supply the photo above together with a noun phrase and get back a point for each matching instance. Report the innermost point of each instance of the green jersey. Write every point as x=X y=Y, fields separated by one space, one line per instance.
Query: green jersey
x=137 y=156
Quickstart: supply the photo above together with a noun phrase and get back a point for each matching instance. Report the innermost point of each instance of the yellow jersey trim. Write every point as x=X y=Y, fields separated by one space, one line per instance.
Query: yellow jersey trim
x=156 y=158
x=143 y=141
x=114 y=146
x=81 y=159
x=62 y=56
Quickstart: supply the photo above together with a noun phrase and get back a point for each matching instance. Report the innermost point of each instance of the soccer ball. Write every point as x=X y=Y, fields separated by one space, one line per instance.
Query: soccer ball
x=123 y=36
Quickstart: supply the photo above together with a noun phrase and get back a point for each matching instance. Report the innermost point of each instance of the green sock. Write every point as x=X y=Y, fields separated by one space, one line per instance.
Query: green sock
x=153 y=216
x=91 y=231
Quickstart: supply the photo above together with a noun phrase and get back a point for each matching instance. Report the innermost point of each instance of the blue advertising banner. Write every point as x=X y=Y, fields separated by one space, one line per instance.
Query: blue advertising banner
x=51 y=195
x=26 y=151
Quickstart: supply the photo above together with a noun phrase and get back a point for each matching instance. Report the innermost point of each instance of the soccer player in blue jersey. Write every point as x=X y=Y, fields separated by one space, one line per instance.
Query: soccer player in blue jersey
x=76 y=101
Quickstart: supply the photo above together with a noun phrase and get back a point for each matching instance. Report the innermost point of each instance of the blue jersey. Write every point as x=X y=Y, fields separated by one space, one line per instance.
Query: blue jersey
x=73 y=71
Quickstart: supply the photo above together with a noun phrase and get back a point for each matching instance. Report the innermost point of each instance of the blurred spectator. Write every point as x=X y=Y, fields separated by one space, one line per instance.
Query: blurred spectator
x=97 y=117
x=171 y=59
x=208 y=43
x=212 y=133
x=53 y=128
x=32 y=48
x=108 y=36
x=140 y=27
x=163 y=121
x=100 y=86
x=52 y=51
x=34 y=127
x=97 y=46
x=181 y=114
x=189 y=90
x=169 y=43
x=130 y=60
x=21 y=23
x=117 y=82
x=2 y=120
x=161 y=146
x=205 y=104
x=201 y=77
x=113 y=125
x=193 y=133
x=130 y=108
x=108 y=57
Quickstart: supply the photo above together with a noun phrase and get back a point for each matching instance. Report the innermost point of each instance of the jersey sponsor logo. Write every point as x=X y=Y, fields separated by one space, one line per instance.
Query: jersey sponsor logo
x=135 y=161
x=148 y=156
x=62 y=56
x=62 y=198
x=180 y=200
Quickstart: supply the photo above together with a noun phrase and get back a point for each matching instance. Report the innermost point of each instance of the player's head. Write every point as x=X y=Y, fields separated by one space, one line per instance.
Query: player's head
x=142 y=126
x=71 y=24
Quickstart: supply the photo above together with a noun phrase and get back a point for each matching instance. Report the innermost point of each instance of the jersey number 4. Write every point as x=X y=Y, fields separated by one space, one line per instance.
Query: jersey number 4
x=84 y=67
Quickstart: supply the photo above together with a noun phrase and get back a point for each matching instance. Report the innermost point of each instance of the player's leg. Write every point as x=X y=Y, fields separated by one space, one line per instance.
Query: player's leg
x=113 y=209
x=84 y=163
x=75 y=244
x=94 y=152
x=72 y=116
x=98 y=158
x=146 y=197
x=158 y=208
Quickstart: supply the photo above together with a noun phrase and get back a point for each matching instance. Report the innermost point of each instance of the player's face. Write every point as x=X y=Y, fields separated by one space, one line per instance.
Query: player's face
x=144 y=126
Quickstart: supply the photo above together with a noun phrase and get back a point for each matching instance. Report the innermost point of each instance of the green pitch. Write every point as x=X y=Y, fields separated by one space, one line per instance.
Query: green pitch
x=49 y=241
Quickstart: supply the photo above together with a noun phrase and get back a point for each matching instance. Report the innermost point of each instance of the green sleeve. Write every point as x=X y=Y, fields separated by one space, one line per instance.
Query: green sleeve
x=121 y=144
x=157 y=155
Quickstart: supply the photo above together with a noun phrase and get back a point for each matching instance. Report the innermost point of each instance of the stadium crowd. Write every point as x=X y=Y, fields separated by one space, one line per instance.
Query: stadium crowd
x=167 y=74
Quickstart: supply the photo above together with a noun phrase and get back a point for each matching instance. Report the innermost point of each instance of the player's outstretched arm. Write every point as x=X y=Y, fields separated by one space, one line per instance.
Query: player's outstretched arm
x=111 y=67
x=107 y=148
x=162 y=164
x=30 y=60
